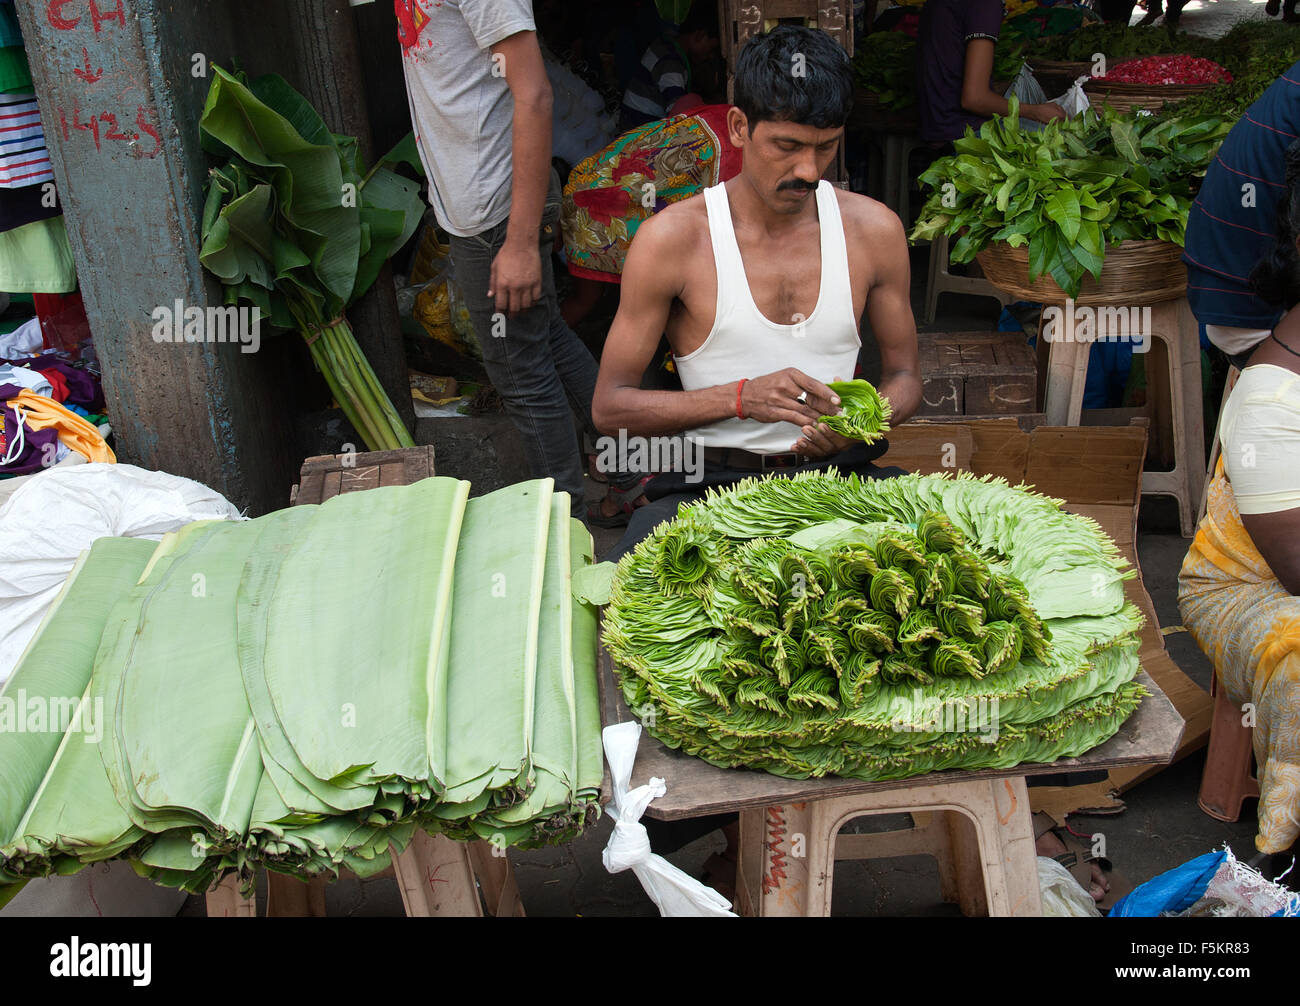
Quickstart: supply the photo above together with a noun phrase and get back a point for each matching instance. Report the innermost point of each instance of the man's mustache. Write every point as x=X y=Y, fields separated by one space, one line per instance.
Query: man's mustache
x=797 y=185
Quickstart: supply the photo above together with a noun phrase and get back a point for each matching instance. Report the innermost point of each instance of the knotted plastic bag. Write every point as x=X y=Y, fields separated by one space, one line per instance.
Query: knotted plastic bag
x=674 y=893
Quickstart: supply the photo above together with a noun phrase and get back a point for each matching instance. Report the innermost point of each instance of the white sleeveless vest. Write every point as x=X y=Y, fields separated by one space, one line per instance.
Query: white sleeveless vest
x=744 y=343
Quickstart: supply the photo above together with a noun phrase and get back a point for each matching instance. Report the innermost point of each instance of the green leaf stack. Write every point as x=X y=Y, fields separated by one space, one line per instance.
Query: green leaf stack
x=879 y=629
x=293 y=226
x=302 y=691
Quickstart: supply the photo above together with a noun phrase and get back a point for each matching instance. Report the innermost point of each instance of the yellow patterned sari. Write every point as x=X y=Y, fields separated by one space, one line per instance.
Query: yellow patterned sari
x=1249 y=626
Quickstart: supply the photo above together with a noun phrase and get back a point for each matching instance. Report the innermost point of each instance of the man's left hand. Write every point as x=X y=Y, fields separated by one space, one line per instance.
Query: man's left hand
x=516 y=281
x=821 y=441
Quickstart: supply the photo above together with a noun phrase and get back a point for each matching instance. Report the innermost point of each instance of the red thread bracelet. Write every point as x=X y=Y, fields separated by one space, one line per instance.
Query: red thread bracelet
x=740 y=411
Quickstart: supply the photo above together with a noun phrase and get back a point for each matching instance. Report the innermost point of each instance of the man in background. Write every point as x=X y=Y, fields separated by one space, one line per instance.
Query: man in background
x=1233 y=223
x=954 y=70
x=665 y=79
x=481 y=106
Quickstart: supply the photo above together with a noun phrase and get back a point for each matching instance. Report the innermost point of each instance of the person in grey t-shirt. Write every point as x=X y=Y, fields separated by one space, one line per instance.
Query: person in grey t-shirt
x=481 y=105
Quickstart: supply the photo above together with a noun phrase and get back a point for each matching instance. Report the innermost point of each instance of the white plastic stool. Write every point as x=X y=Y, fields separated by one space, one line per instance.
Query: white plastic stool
x=978 y=830
x=1173 y=324
x=941 y=280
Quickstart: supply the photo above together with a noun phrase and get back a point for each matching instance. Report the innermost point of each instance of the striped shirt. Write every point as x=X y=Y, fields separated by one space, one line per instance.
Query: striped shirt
x=24 y=157
x=1233 y=223
x=663 y=76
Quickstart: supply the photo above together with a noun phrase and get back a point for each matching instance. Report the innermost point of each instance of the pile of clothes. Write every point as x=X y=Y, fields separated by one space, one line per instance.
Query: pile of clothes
x=50 y=409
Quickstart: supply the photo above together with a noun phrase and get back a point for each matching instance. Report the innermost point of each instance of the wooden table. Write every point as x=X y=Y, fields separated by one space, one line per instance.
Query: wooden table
x=785 y=822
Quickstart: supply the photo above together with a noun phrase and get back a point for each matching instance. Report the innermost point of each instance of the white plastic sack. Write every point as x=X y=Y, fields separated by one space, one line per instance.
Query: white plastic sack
x=674 y=893
x=53 y=518
x=1062 y=896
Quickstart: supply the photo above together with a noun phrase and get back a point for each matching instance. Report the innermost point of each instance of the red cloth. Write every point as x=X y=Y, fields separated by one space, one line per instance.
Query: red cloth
x=60 y=386
x=64 y=324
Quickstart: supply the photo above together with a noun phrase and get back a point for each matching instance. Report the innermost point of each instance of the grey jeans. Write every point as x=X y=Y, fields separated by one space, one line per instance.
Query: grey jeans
x=542 y=370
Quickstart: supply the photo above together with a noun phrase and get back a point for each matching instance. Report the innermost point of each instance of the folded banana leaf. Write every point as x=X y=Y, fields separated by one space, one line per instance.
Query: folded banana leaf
x=301 y=691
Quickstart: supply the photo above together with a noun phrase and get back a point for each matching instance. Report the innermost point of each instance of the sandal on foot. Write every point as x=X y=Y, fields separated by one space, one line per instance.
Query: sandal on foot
x=625 y=499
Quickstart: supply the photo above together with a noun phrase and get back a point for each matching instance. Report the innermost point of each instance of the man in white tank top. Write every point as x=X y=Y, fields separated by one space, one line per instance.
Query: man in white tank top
x=760 y=285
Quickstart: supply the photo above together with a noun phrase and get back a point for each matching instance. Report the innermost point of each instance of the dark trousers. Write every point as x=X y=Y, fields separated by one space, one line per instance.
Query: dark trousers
x=542 y=370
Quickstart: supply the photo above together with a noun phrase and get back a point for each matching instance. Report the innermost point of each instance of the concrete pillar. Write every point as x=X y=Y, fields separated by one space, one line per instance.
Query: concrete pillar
x=120 y=107
x=121 y=85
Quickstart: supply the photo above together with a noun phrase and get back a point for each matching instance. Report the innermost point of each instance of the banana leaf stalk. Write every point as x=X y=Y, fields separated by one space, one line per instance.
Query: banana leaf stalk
x=293 y=225
x=355 y=387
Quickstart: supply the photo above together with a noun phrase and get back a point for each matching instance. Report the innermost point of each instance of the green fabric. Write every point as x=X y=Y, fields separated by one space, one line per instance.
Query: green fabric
x=36 y=258
x=15 y=73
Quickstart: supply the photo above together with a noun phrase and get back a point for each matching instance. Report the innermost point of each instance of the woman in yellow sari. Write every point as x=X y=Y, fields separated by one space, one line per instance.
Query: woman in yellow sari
x=1239 y=583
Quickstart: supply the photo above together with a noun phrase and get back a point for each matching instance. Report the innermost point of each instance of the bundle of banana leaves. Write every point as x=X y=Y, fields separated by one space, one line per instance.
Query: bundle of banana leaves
x=302 y=691
x=876 y=629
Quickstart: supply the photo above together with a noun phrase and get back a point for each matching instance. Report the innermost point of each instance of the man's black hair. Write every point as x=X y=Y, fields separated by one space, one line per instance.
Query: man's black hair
x=703 y=16
x=794 y=74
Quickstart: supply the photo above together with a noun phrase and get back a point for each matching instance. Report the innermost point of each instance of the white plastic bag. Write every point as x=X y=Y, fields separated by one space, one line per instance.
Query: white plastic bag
x=1074 y=100
x=673 y=892
x=1062 y=896
x=56 y=516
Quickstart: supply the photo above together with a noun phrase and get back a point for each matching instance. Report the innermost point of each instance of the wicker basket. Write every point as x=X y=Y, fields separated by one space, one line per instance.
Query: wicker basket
x=1135 y=273
x=1056 y=75
x=1126 y=97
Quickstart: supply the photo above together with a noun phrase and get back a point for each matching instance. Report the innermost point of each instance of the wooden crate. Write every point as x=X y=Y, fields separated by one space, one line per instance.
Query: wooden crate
x=738 y=20
x=327 y=476
x=977 y=374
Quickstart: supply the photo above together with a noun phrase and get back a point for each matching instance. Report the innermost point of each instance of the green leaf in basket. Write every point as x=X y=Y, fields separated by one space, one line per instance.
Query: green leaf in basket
x=1042 y=252
x=1126 y=142
x=1063 y=209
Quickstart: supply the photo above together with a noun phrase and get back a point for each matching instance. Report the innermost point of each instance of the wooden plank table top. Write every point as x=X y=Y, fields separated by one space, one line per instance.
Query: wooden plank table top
x=696 y=788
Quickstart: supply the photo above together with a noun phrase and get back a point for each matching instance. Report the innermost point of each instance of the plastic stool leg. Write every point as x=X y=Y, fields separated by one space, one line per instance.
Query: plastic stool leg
x=1227 y=781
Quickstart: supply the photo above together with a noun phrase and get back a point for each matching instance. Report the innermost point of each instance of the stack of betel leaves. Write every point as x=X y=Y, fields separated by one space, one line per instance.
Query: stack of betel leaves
x=302 y=691
x=822 y=625
x=1070 y=190
x=864 y=413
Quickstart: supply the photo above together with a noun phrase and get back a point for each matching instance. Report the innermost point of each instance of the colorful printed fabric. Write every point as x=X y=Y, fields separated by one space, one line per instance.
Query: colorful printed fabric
x=1249 y=626
x=641 y=172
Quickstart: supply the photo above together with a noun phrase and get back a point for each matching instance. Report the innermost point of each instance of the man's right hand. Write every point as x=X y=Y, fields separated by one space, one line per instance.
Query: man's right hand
x=1046 y=112
x=788 y=396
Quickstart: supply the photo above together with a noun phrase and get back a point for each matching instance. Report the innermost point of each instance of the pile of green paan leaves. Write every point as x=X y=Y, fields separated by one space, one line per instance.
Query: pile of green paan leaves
x=821 y=625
